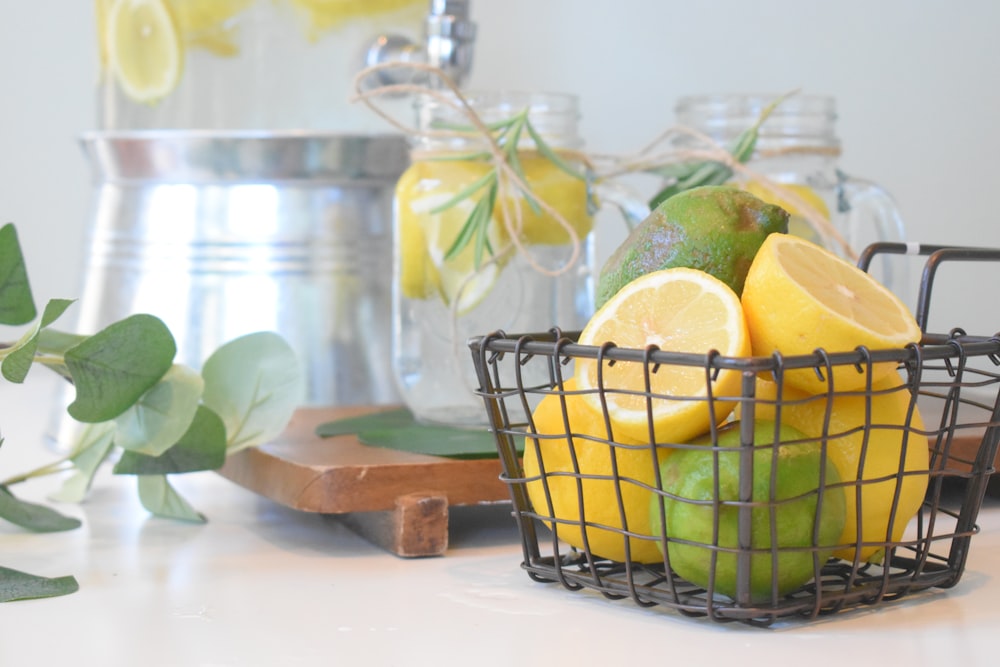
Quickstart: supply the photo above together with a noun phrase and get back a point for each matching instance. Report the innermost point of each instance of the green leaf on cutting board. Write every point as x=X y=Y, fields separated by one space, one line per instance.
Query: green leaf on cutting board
x=397 y=429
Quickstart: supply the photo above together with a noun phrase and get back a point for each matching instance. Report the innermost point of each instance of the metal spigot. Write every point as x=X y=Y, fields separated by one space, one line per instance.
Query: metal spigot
x=449 y=35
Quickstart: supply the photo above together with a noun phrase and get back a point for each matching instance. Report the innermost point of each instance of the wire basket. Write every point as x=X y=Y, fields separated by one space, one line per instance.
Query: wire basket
x=740 y=561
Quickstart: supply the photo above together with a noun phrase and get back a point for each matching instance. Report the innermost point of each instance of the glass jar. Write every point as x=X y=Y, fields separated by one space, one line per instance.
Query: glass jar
x=241 y=64
x=526 y=274
x=798 y=149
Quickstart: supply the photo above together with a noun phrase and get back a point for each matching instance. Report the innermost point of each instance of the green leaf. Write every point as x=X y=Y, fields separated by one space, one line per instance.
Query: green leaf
x=53 y=341
x=113 y=368
x=163 y=414
x=455 y=443
x=157 y=496
x=96 y=441
x=713 y=173
x=254 y=383
x=551 y=155
x=18 y=361
x=466 y=192
x=16 y=585
x=17 y=306
x=202 y=447
x=397 y=429
x=383 y=419
x=37 y=518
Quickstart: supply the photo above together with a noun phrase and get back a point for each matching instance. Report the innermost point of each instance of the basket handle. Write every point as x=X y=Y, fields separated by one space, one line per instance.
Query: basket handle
x=936 y=255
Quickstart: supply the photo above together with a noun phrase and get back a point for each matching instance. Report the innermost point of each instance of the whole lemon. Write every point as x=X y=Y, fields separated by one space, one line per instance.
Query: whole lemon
x=697 y=489
x=714 y=228
x=879 y=449
x=557 y=486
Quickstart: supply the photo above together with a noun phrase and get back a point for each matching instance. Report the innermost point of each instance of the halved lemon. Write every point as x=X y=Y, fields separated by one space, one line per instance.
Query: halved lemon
x=799 y=297
x=678 y=310
x=144 y=50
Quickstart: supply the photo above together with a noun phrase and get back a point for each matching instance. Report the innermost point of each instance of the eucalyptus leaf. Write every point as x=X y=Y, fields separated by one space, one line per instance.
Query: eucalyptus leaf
x=54 y=341
x=92 y=449
x=113 y=368
x=163 y=414
x=254 y=383
x=16 y=585
x=36 y=518
x=202 y=447
x=17 y=306
x=18 y=361
x=157 y=496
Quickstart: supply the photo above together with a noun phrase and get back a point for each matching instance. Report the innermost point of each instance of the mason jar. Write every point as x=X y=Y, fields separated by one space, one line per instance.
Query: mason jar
x=799 y=150
x=531 y=267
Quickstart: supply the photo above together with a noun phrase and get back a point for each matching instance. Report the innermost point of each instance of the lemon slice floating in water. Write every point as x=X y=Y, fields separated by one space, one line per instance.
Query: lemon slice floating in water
x=458 y=278
x=143 y=49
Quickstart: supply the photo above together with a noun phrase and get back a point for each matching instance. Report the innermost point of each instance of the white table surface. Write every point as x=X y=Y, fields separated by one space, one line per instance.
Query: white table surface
x=261 y=584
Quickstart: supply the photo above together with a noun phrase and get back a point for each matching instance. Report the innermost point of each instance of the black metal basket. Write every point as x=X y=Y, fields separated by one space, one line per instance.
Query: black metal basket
x=951 y=379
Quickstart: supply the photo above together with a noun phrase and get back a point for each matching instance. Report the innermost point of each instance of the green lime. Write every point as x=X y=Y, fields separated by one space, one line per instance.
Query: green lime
x=789 y=511
x=714 y=228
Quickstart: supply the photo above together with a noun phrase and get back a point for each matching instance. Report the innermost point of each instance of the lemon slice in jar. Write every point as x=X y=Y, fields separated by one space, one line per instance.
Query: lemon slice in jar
x=459 y=281
x=143 y=49
x=209 y=25
x=798 y=223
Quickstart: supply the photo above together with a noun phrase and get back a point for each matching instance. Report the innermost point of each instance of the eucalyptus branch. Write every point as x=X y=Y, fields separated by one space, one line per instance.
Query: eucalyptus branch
x=130 y=395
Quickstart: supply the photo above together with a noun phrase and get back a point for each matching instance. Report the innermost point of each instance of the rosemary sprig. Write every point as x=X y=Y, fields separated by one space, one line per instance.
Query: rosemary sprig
x=508 y=133
x=690 y=175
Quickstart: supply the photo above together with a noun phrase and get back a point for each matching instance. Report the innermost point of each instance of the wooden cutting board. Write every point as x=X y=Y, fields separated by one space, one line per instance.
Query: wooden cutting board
x=396 y=499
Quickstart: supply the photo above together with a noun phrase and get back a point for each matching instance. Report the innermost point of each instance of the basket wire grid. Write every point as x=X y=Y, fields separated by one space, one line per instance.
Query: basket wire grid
x=952 y=377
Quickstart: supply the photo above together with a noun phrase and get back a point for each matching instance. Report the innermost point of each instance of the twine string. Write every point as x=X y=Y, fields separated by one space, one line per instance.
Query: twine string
x=512 y=188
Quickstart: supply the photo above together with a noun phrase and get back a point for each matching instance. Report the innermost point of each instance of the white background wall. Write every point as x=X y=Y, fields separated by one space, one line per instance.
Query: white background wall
x=917 y=84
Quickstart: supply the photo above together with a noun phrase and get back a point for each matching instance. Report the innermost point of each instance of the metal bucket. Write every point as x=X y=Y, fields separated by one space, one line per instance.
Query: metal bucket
x=220 y=234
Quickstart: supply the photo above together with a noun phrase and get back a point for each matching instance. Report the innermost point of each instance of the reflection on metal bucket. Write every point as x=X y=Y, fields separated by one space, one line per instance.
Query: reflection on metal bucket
x=223 y=234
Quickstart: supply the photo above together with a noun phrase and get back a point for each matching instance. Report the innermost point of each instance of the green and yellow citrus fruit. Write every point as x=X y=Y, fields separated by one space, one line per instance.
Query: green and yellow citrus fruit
x=716 y=229
x=793 y=527
x=878 y=445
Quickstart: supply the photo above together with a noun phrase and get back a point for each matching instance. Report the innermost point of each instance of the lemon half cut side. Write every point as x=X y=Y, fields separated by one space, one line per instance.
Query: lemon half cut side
x=144 y=49
x=678 y=310
x=800 y=297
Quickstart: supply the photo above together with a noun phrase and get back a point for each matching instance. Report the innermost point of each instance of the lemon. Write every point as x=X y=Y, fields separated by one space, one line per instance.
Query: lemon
x=867 y=436
x=102 y=8
x=426 y=235
x=592 y=478
x=559 y=190
x=209 y=24
x=798 y=224
x=701 y=510
x=458 y=279
x=679 y=310
x=798 y=297
x=324 y=15
x=417 y=277
x=143 y=49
